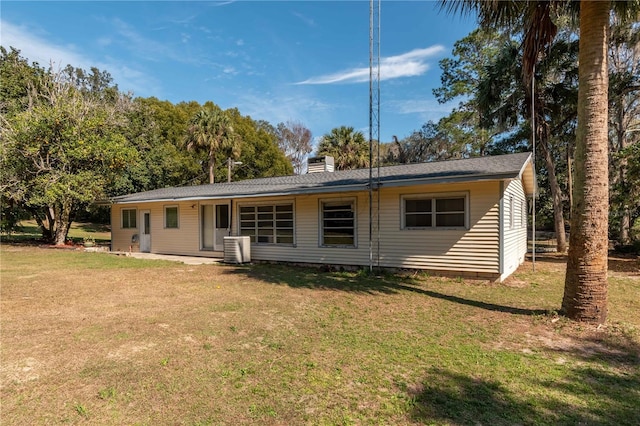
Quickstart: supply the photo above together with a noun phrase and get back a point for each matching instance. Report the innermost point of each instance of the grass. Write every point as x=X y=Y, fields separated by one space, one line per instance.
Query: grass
x=90 y=338
x=29 y=231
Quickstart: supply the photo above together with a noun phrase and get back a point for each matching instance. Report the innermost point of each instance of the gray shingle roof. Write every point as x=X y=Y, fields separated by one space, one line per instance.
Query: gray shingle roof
x=500 y=167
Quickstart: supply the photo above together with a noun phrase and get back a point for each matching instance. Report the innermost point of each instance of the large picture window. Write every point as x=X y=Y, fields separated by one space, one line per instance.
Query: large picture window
x=435 y=211
x=129 y=218
x=338 y=223
x=171 y=217
x=267 y=224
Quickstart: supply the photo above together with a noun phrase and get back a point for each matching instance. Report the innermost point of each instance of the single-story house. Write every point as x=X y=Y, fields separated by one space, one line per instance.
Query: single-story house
x=464 y=217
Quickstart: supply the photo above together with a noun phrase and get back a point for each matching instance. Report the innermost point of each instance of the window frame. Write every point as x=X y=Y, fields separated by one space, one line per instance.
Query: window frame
x=128 y=224
x=279 y=230
x=434 y=196
x=321 y=220
x=166 y=217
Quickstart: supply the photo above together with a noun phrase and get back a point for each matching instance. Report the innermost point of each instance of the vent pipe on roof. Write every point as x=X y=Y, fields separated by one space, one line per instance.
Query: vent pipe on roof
x=320 y=164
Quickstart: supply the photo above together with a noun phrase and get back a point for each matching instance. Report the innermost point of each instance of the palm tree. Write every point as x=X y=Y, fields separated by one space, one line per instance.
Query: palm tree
x=348 y=148
x=555 y=97
x=210 y=129
x=585 y=295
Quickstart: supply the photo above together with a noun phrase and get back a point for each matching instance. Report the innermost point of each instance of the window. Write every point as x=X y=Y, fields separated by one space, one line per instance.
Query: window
x=129 y=218
x=171 y=217
x=338 y=223
x=267 y=224
x=432 y=212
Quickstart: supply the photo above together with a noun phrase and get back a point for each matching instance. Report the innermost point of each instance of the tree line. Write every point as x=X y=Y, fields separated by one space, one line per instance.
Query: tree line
x=71 y=137
x=163 y=144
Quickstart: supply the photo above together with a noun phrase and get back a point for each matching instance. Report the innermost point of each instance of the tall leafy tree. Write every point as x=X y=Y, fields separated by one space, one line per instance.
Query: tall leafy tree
x=294 y=140
x=430 y=143
x=466 y=130
x=260 y=156
x=624 y=119
x=156 y=129
x=21 y=82
x=585 y=296
x=348 y=148
x=210 y=129
x=504 y=102
x=63 y=151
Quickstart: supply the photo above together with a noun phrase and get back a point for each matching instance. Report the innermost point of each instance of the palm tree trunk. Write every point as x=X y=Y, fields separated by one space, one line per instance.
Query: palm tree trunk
x=585 y=292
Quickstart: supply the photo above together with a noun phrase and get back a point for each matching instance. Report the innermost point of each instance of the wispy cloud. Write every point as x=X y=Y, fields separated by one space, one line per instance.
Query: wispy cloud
x=308 y=21
x=408 y=64
x=148 y=49
x=143 y=47
x=426 y=109
x=37 y=49
x=280 y=107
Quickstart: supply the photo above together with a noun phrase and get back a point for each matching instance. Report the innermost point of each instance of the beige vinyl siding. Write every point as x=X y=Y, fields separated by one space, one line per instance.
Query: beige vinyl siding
x=513 y=229
x=121 y=237
x=307 y=221
x=465 y=251
x=472 y=250
x=475 y=250
x=183 y=240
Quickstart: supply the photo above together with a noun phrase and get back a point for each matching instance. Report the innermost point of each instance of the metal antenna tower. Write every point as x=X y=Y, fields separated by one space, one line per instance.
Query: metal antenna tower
x=374 y=132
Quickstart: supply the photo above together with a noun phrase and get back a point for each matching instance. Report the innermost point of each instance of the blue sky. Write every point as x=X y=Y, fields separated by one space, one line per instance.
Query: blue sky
x=274 y=60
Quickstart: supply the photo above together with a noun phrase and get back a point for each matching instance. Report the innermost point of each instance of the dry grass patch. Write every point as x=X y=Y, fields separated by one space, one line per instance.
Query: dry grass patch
x=99 y=339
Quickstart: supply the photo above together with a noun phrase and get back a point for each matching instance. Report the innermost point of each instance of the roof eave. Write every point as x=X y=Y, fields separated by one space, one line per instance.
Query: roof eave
x=528 y=176
x=330 y=189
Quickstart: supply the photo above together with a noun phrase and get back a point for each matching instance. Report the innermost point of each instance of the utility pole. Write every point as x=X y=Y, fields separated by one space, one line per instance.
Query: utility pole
x=374 y=130
x=230 y=164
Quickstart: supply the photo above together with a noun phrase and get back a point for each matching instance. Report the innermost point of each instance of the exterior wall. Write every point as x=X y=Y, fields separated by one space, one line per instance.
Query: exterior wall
x=475 y=250
x=184 y=240
x=120 y=237
x=513 y=227
x=307 y=247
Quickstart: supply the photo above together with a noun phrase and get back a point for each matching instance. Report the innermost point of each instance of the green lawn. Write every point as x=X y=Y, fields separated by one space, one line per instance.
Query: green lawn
x=29 y=231
x=91 y=338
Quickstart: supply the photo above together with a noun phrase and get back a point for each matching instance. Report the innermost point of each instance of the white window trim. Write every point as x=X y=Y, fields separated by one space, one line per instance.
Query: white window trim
x=171 y=206
x=321 y=203
x=434 y=195
x=291 y=202
x=135 y=210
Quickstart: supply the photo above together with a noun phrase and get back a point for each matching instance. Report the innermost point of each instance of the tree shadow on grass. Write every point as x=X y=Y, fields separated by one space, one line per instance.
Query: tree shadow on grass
x=93 y=227
x=616 y=349
x=584 y=396
x=301 y=277
x=617 y=262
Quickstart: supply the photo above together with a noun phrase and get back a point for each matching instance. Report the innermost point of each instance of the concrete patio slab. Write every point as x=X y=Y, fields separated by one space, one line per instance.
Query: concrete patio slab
x=187 y=260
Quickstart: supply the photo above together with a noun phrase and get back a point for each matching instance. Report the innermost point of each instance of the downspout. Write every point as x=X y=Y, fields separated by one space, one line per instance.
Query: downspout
x=533 y=161
x=231 y=217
